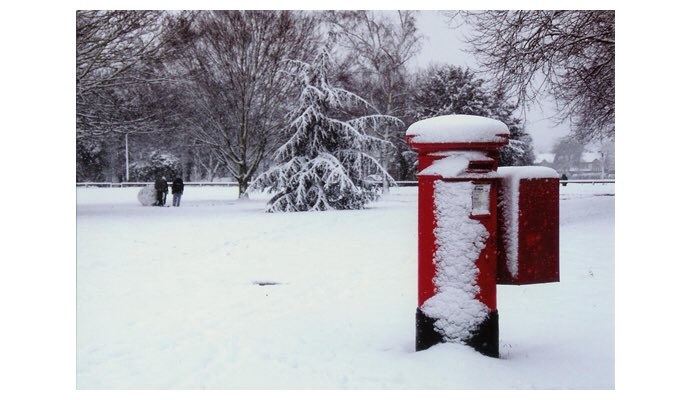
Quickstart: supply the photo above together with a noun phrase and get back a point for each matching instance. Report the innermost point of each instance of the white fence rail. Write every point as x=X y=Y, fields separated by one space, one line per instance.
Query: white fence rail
x=233 y=184
x=139 y=184
x=592 y=181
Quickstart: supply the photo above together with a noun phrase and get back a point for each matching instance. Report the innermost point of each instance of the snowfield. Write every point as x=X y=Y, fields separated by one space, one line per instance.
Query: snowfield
x=217 y=294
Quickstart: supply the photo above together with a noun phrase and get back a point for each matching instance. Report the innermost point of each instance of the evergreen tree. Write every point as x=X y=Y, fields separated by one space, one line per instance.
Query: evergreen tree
x=519 y=150
x=447 y=89
x=325 y=162
x=159 y=164
x=91 y=159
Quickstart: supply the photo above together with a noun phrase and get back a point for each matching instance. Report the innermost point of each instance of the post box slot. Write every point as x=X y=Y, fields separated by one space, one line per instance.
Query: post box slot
x=483 y=165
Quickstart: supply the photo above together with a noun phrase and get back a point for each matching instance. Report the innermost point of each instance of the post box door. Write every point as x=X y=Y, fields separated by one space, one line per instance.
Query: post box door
x=535 y=230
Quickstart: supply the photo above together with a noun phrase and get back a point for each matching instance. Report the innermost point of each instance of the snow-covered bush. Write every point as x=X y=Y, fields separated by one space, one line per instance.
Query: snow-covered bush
x=158 y=164
x=325 y=162
x=147 y=195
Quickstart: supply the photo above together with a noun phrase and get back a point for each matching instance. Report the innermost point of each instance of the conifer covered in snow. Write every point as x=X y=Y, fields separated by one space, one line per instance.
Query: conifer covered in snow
x=448 y=89
x=327 y=158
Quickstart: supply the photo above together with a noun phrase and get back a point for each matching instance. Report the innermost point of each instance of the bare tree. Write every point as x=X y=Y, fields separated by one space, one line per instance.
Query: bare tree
x=568 y=153
x=235 y=84
x=378 y=48
x=569 y=55
x=114 y=52
x=119 y=75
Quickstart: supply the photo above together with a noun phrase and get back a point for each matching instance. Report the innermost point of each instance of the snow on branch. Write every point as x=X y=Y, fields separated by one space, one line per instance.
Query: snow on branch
x=324 y=163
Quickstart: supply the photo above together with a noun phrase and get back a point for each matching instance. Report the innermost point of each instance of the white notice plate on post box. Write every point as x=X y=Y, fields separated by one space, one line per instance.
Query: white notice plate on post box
x=480 y=198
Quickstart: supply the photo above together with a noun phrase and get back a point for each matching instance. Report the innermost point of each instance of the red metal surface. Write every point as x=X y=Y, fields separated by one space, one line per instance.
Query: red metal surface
x=485 y=337
x=425 y=160
x=433 y=147
x=427 y=240
x=486 y=262
x=538 y=235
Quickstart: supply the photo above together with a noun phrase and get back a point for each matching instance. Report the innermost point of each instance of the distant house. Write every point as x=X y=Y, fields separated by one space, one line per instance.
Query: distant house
x=589 y=165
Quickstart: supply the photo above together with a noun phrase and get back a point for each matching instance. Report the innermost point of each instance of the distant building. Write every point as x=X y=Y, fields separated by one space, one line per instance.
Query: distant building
x=589 y=165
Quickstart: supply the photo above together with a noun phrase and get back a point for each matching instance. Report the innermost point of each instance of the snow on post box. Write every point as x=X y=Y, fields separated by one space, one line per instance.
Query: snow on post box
x=527 y=226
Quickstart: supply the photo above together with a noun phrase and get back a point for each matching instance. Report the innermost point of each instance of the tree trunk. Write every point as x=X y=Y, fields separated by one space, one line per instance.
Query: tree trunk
x=384 y=164
x=243 y=185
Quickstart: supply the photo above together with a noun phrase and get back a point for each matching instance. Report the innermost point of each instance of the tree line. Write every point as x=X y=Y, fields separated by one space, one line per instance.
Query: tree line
x=208 y=94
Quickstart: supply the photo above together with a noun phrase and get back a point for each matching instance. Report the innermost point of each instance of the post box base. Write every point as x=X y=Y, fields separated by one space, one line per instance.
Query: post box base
x=484 y=339
x=426 y=334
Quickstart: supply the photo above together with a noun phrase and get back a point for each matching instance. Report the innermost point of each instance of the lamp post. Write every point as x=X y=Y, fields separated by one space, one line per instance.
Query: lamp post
x=126 y=157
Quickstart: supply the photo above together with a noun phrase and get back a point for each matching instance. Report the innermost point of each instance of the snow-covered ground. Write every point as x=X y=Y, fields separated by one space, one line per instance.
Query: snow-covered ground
x=217 y=294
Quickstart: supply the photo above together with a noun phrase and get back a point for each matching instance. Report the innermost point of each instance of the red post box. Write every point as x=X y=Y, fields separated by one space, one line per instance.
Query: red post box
x=458 y=224
x=528 y=226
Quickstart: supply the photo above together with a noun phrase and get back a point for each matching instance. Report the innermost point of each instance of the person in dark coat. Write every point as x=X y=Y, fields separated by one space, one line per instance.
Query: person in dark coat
x=161 y=187
x=564 y=180
x=177 y=189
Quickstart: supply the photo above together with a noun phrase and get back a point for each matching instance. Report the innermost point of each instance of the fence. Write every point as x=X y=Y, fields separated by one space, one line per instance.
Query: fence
x=234 y=184
x=592 y=181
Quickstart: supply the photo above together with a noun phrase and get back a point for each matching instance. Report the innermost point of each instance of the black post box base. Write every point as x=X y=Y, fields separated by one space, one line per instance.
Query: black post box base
x=426 y=334
x=484 y=339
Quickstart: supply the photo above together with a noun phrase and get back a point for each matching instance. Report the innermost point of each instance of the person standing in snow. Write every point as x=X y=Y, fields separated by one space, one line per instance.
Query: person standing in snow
x=177 y=189
x=564 y=179
x=161 y=187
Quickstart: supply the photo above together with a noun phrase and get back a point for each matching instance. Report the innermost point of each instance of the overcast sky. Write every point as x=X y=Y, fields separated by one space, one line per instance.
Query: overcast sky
x=445 y=45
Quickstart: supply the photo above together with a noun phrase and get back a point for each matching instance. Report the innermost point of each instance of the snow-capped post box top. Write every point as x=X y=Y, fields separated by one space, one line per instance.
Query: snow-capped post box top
x=527 y=172
x=458 y=129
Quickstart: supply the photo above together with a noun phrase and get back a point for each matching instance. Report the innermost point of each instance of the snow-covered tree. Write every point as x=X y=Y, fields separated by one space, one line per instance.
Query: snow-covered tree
x=121 y=81
x=568 y=152
x=233 y=92
x=159 y=164
x=379 y=46
x=519 y=151
x=91 y=159
x=448 y=89
x=327 y=158
x=114 y=50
